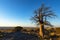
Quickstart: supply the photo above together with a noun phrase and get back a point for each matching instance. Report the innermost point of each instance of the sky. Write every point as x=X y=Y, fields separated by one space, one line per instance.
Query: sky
x=19 y=12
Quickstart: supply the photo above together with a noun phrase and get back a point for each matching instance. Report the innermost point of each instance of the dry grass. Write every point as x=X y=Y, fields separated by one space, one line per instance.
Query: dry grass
x=58 y=32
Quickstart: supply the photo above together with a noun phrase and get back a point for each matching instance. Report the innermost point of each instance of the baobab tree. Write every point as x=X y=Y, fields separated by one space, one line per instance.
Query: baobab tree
x=40 y=17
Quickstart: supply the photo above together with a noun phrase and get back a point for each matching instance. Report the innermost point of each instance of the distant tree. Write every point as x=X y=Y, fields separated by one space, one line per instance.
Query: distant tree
x=32 y=30
x=37 y=30
x=18 y=28
x=24 y=30
x=40 y=17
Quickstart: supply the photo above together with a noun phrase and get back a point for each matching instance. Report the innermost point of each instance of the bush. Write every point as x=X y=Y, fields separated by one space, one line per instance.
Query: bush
x=18 y=28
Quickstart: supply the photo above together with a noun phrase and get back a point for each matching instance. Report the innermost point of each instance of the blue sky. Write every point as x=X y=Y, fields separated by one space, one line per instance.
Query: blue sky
x=19 y=12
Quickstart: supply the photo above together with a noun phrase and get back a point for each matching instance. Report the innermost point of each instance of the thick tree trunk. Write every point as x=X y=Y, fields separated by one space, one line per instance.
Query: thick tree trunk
x=41 y=32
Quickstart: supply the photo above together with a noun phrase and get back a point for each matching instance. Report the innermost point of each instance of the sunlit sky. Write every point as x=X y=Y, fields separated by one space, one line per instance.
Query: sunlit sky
x=19 y=12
